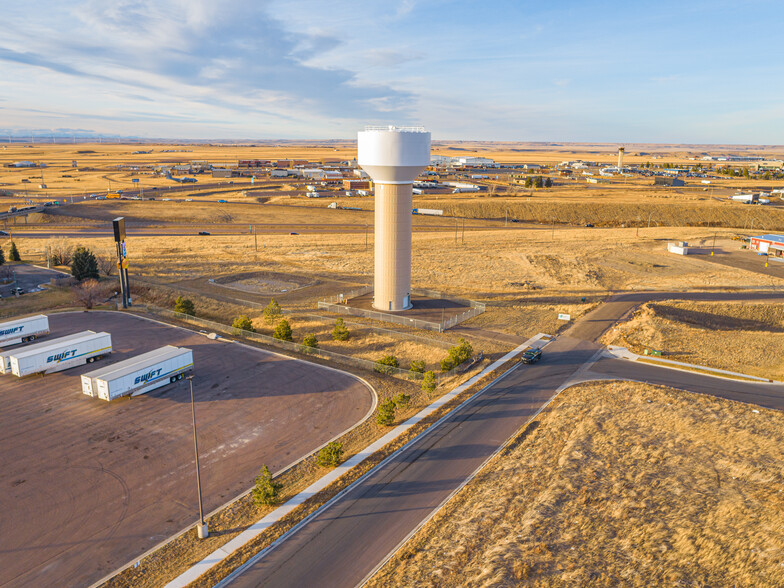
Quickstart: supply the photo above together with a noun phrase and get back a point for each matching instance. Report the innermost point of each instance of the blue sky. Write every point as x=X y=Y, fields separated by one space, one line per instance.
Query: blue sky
x=686 y=72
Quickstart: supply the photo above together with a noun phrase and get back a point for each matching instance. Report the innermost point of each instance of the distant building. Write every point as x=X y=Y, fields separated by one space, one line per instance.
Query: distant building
x=356 y=184
x=668 y=181
x=461 y=161
x=225 y=173
x=770 y=244
x=251 y=163
x=312 y=173
x=769 y=165
x=473 y=161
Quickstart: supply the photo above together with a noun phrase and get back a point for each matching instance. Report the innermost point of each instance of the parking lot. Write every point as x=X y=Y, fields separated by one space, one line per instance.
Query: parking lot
x=28 y=277
x=88 y=485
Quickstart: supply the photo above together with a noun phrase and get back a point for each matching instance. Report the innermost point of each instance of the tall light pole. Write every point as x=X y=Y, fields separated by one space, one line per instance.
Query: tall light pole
x=201 y=528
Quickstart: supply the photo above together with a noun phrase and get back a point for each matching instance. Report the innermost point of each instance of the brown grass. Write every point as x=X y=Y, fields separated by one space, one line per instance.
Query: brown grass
x=49 y=299
x=505 y=265
x=617 y=484
x=743 y=337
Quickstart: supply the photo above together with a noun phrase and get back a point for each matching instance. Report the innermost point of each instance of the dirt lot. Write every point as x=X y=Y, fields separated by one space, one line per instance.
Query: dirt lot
x=746 y=337
x=619 y=484
x=88 y=485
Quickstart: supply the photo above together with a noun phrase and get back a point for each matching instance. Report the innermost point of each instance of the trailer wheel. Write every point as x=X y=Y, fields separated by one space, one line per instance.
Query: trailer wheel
x=172 y=379
x=89 y=360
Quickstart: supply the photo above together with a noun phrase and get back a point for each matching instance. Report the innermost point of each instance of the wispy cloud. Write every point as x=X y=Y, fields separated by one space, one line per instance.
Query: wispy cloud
x=512 y=69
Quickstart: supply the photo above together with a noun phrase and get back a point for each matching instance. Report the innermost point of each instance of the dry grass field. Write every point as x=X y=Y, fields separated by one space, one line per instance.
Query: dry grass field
x=745 y=337
x=619 y=484
x=526 y=276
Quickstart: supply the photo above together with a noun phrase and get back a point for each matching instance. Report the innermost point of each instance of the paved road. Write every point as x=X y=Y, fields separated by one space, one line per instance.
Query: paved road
x=765 y=395
x=28 y=278
x=594 y=324
x=749 y=261
x=346 y=541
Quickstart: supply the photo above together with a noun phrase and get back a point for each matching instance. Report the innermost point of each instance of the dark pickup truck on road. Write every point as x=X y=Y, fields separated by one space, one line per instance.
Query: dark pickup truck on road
x=531 y=356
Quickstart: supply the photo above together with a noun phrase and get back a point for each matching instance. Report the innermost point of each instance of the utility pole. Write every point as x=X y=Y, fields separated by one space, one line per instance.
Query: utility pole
x=201 y=528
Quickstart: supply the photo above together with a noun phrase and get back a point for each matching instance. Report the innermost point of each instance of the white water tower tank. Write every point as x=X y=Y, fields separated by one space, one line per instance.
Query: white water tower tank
x=393 y=157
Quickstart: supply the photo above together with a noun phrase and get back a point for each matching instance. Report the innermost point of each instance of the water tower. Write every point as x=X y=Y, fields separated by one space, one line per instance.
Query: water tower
x=393 y=157
x=620 y=158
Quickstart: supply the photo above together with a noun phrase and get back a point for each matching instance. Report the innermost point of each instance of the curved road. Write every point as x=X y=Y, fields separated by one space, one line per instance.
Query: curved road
x=345 y=542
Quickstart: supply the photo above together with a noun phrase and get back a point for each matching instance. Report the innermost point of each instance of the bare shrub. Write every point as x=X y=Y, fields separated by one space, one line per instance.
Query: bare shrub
x=89 y=293
x=60 y=250
x=106 y=264
x=63 y=282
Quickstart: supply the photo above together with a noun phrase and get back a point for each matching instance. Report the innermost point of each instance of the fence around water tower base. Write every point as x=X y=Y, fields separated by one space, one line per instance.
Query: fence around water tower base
x=331 y=356
x=340 y=304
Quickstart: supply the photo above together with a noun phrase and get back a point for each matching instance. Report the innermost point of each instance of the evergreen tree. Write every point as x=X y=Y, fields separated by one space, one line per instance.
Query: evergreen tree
x=13 y=253
x=385 y=364
x=457 y=355
x=243 y=323
x=84 y=265
x=417 y=366
x=401 y=400
x=331 y=455
x=310 y=341
x=266 y=490
x=184 y=306
x=386 y=413
x=340 y=332
x=429 y=382
x=283 y=331
x=273 y=312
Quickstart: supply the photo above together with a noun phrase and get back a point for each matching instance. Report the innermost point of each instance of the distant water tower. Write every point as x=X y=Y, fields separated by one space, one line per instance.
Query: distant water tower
x=393 y=157
x=620 y=158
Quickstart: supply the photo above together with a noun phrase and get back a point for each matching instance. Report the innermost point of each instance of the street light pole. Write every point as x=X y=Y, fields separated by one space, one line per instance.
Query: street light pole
x=201 y=528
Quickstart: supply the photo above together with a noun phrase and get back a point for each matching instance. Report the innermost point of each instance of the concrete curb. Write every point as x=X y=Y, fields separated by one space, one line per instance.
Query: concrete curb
x=623 y=353
x=256 y=529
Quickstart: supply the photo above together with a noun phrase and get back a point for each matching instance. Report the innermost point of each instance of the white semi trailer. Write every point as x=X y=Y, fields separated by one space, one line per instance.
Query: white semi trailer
x=23 y=330
x=139 y=374
x=5 y=355
x=61 y=354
